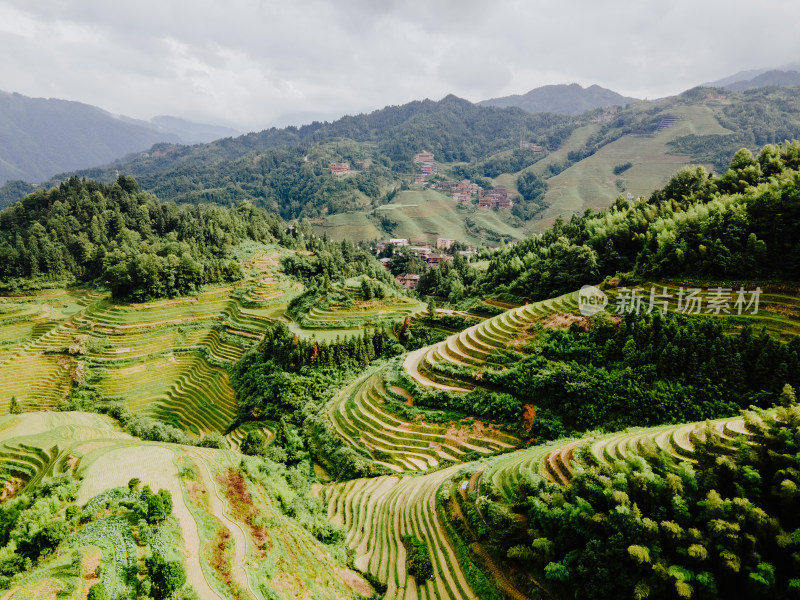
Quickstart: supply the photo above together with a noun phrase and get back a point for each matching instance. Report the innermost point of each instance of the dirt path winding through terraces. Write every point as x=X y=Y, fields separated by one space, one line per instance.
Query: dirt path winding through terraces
x=155 y=467
x=411 y=366
x=219 y=510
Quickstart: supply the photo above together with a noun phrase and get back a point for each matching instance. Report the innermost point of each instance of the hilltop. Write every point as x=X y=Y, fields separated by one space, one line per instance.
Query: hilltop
x=571 y=99
x=567 y=163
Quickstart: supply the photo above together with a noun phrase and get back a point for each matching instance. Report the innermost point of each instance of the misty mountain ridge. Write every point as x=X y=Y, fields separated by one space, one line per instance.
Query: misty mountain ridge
x=570 y=99
x=750 y=75
x=40 y=137
x=766 y=79
x=188 y=132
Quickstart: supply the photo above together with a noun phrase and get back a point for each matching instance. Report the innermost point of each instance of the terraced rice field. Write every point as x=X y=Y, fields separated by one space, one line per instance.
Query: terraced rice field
x=361 y=418
x=166 y=358
x=592 y=183
x=472 y=347
x=377 y=512
x=363 y=313
x=557 y=461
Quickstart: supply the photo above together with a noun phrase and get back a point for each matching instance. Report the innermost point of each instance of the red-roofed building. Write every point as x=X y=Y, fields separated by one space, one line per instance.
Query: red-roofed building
x=408 y=280
x=340 y=168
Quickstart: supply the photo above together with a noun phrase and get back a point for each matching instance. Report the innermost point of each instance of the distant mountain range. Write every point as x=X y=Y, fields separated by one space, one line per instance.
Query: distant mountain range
x=766 y=79
x=188 y=132
x=753 y=77
x=569 y=99
x=40 y=137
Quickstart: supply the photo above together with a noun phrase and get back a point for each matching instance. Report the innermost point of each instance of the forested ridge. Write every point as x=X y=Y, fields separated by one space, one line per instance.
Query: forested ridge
x=723 y=525
x=287 y=170
x=116 y=235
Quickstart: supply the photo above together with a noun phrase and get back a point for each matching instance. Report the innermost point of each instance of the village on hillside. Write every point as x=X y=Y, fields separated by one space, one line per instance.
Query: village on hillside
x=463 y=191
x=432 y=255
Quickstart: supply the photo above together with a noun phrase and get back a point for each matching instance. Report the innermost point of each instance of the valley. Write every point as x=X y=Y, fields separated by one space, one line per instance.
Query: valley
x=206 y=401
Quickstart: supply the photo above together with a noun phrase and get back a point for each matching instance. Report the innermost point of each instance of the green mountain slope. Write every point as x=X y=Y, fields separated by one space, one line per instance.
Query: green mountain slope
x=586 y=161
x=570 y=99
x=41 y=137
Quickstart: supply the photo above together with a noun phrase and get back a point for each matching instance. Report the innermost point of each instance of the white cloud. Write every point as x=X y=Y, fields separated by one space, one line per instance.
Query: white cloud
x=246 y=62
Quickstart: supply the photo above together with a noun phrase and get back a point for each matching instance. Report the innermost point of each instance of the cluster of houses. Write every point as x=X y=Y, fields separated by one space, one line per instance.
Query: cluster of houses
x=343 y=168
x=461 y=191
x=340 y=168
x=464 y=191
x=427 y=166
x=423 y=249
x=498 y=197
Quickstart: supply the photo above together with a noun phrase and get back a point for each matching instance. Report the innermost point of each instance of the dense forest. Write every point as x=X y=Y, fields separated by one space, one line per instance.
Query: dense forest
x=760 y=116
x=290 y=381
x=647 y=370
x=724 y=526
x=123 y=238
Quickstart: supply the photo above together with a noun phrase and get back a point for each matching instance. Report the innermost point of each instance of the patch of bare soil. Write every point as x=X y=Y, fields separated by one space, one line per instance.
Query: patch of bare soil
x=404 y=393
x=528 y=415
x=456 y=433
x=356 y=583
x=563 y=320
x=90 y=564
x=10 y=489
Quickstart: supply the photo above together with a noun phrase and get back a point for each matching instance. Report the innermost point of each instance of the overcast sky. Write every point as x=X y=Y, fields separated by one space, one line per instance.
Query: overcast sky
x=248 y=63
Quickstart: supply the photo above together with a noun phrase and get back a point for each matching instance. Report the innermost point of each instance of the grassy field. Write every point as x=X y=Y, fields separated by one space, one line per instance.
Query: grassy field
x=424 y=215
x=591 y=183
x=350 y=226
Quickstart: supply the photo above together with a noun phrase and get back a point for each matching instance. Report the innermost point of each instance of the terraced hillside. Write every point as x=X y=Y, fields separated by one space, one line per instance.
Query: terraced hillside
x=592 y=183
x=361 y=417
x=511 y=481
x=472 y=347
x=362 y=413
x=778 y=308
x=167 y=358
x=378 y=512
x=360 y=312
x=558 y=461
x=203 y=486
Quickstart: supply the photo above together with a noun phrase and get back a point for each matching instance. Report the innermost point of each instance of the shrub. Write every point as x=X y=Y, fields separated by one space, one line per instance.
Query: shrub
x=418 y=558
